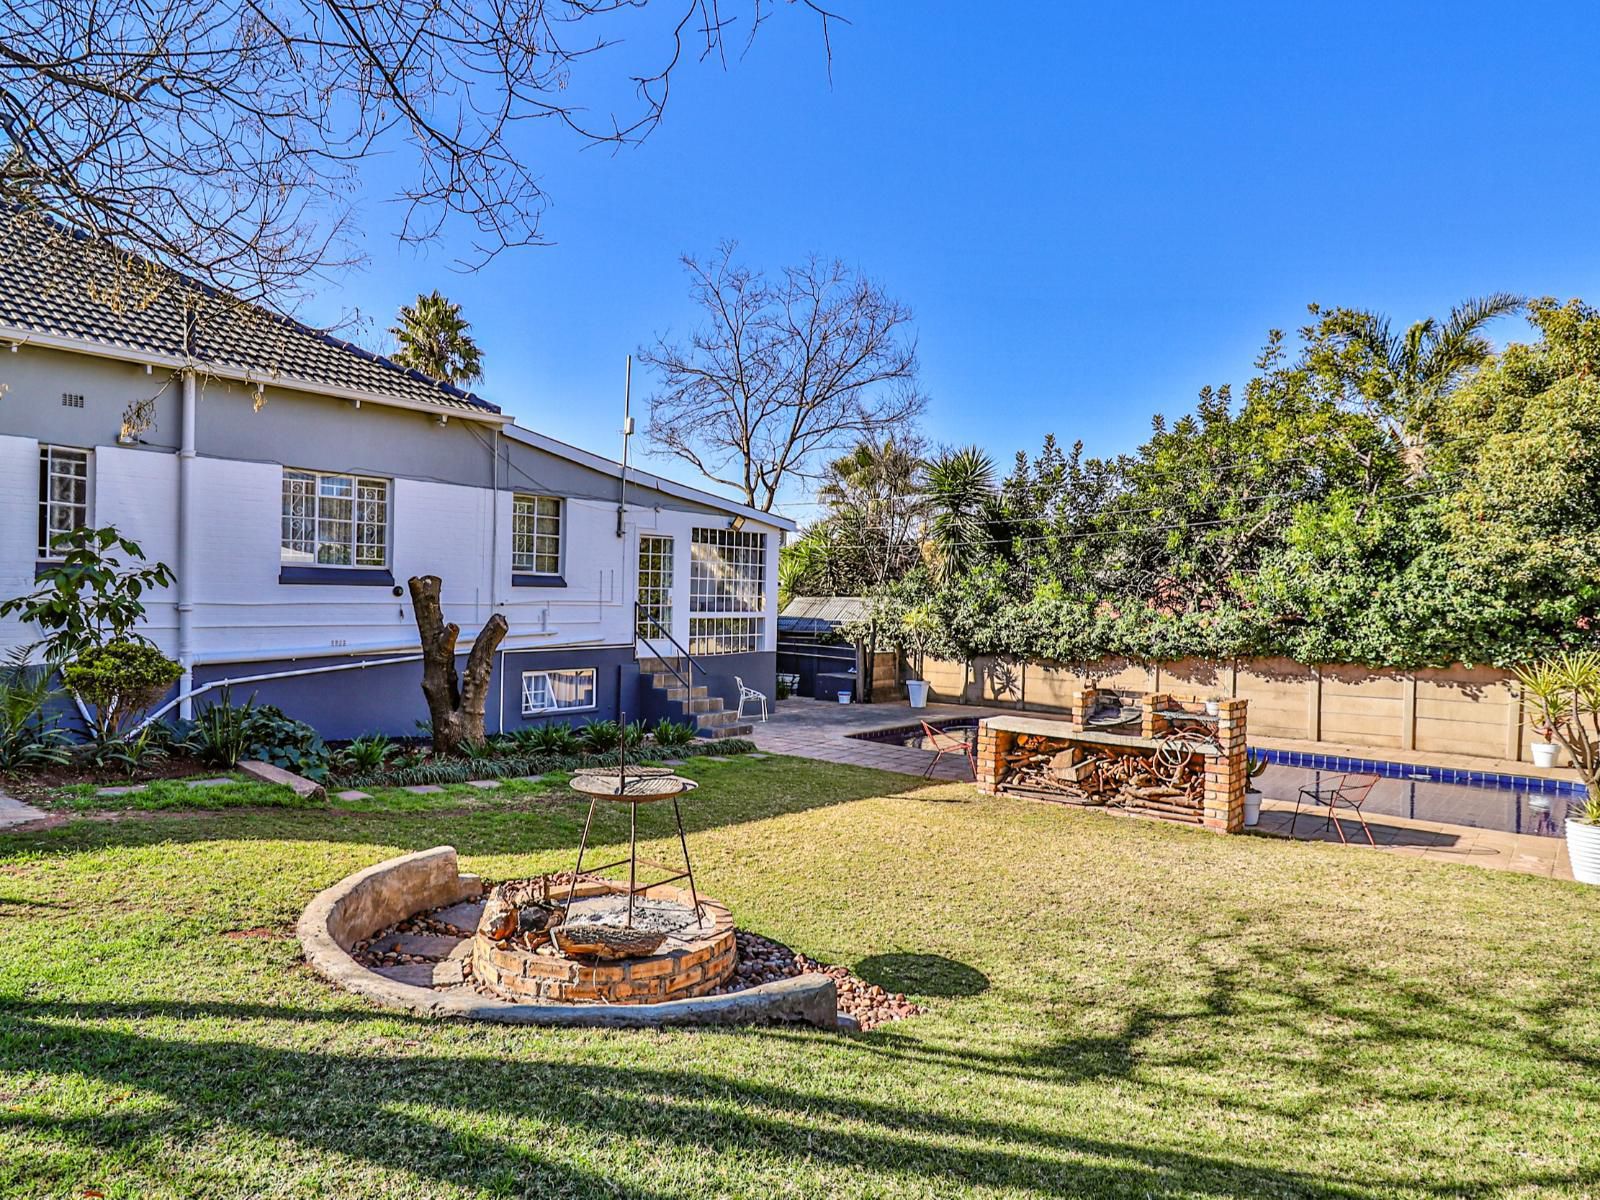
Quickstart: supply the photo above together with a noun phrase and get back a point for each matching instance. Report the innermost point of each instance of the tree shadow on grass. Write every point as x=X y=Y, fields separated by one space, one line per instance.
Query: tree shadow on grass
x=922 y=974
x=407 y=1113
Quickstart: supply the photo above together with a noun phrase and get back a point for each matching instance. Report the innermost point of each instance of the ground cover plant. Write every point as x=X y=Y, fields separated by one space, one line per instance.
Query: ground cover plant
x=1116 y=1008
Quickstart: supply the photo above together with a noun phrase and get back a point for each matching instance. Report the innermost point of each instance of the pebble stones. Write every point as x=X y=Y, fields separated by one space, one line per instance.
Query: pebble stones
x=762 y=960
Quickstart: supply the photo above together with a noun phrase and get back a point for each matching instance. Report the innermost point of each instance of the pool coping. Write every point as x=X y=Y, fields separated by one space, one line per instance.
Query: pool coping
x=1421 y=773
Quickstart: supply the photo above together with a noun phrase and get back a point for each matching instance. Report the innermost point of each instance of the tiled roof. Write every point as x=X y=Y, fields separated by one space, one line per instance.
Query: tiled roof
x=57 y=283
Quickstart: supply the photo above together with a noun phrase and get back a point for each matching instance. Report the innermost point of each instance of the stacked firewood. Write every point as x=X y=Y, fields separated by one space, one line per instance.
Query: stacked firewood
x=1129 y=779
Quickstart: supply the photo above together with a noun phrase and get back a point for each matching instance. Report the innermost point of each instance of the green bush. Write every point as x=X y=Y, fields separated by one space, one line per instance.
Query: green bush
x=548 y=739
x=670 y=735
x=29 y=738
x=408 y=769
x=367 y=753
x=119 y=680
x=225 y=733
x=597 y=737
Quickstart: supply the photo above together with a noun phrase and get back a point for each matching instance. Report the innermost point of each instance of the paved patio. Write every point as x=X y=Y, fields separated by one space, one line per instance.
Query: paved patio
x=822 y=730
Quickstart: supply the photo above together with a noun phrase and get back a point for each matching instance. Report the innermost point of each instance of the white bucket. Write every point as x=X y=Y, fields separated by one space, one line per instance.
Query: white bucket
x=1544 y=753
x=1252 y=809
x=844 y=696
x=917 y=691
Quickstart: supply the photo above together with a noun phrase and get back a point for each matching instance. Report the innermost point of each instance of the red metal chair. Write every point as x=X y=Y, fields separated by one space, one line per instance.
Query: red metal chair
x=1348 y=791
x=944 y=742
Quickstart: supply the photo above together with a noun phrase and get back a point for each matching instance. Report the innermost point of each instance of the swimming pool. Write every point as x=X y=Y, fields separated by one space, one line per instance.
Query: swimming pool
x=1517 y=805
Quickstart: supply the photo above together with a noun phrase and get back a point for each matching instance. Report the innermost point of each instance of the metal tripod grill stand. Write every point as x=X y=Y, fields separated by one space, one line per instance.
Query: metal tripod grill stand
x=634 y=786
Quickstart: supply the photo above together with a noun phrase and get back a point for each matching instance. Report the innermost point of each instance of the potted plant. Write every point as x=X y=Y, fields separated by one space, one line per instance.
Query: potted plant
x=1564 y=693
x=1544 y=752
x=1255 y=764
x=917 y=626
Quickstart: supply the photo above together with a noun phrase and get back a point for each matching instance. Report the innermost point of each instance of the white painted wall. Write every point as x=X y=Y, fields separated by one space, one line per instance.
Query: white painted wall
x=460 y=533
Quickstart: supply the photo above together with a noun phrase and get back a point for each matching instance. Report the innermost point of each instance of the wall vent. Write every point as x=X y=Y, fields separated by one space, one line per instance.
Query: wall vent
x=71 y=400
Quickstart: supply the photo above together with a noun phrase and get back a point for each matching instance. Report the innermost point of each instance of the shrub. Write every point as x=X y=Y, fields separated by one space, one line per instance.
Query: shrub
x=600 y=736
x=409 y=769
x=367 y=753
x=225 y=733
x=670 y=735
x=548 y=739
x=119 y=680
x=28 y=736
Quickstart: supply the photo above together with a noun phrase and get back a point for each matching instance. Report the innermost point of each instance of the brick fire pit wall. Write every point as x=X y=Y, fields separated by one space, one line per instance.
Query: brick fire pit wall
x=1226 y=773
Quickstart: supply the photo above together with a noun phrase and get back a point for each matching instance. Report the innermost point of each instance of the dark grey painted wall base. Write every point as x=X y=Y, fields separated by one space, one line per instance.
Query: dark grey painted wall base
x=388 y=699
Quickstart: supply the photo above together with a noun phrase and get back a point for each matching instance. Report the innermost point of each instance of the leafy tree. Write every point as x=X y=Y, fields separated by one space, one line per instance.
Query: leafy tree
x=1401 y=378
x=433 y=339
x=1522 y=439
x=963 y=505
x=89 y=596
x=119 y=681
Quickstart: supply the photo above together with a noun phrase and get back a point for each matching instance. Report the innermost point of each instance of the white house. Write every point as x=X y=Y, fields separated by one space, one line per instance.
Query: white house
x=294 y=482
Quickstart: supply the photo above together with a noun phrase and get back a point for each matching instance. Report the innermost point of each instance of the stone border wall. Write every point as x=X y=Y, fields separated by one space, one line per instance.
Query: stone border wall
x=370 y=900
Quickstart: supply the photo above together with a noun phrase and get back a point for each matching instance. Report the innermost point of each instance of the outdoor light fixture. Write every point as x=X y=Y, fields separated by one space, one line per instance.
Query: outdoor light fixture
x=736 y=523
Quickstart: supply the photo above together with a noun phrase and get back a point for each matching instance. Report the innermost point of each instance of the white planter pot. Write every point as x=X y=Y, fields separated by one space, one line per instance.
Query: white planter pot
x=1544 y=754
x=917 y=690
x=1583 y=847
x=1252 y=809
x=844 y=697
x=1213 y=707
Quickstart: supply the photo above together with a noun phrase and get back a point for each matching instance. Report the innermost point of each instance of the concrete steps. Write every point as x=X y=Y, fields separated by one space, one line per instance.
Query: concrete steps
x=707 y=713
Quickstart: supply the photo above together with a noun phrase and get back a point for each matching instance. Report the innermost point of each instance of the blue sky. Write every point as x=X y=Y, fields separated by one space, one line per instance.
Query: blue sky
x=1093 y=210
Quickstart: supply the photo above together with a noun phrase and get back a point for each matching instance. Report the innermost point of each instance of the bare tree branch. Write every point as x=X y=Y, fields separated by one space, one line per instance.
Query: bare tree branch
x=223 y=138
x=782 y=373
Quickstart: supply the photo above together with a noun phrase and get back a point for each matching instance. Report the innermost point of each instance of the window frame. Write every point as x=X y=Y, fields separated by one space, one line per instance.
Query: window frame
x=594 y=690
x=719 y=599
x=530 y=575
x=663 y=568
x=47 y=450
x=314 y=570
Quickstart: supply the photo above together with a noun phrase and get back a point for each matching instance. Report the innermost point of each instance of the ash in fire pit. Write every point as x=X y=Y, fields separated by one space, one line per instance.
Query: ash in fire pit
x=650 y=915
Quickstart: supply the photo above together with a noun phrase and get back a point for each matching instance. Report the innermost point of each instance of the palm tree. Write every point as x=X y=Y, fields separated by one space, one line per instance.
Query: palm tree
x=434 y=340
x=959 y=486
x=1402 y=377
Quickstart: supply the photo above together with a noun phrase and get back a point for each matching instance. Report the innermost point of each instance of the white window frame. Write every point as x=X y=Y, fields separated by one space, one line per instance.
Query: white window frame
x=727 y=571
x=524 y=507
x=531 y=709
x=48 y=453
x=291 y=557
x=654 y=585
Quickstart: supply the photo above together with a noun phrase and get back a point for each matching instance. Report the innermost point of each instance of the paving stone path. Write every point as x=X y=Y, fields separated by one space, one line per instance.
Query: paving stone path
x=15 y=812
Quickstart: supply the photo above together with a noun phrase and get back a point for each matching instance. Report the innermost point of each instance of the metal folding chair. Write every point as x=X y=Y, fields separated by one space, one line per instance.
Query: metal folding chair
x=944 y=742
x=1347 y=791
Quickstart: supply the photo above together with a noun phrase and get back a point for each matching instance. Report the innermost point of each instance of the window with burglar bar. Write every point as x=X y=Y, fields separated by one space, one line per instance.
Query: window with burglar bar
x=63 y=493
x=727 y=577
x=655 y=587
x=536 y=535
x=335 y=520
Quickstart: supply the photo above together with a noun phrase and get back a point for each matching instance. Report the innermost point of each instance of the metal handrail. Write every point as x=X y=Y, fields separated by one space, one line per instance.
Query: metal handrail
x=639 y=610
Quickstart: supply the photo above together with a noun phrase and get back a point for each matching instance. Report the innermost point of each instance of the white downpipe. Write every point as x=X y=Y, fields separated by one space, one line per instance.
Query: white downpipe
x=186 y=536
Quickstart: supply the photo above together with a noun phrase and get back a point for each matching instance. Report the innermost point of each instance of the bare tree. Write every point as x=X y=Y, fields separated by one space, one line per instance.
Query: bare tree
x=782 y=373
x=455 y=704
x=222 y=138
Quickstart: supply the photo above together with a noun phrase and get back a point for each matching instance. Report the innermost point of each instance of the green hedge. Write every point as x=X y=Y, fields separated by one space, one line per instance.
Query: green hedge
x=502 y=766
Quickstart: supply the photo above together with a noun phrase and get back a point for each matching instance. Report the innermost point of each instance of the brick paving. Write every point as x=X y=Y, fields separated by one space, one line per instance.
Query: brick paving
x=820 y=729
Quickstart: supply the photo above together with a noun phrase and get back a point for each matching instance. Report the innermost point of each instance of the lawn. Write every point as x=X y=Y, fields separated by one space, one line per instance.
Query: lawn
x=1117 y=1008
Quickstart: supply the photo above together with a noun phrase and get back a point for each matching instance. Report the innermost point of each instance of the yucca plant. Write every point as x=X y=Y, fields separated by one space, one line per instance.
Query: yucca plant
x=1563 y=692
x=29 y=738
x=222 y=735
x=600 y=737
x=368 y=753
x=672 y=735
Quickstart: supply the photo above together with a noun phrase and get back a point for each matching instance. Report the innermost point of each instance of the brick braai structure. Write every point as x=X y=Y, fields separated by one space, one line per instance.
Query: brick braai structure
x=1226 y=769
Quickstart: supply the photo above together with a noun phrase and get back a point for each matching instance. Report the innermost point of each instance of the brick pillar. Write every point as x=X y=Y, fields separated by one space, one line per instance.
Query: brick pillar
x=1152 y=725
x=1227 y=774
x=992 y=743
x=1082 y=705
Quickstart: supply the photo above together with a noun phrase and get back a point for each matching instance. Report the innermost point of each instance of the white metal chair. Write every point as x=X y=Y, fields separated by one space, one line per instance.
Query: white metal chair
x=749 y=695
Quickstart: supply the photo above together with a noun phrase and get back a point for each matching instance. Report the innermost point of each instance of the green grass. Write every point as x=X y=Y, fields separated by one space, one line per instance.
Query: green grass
x=1117 y=1008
